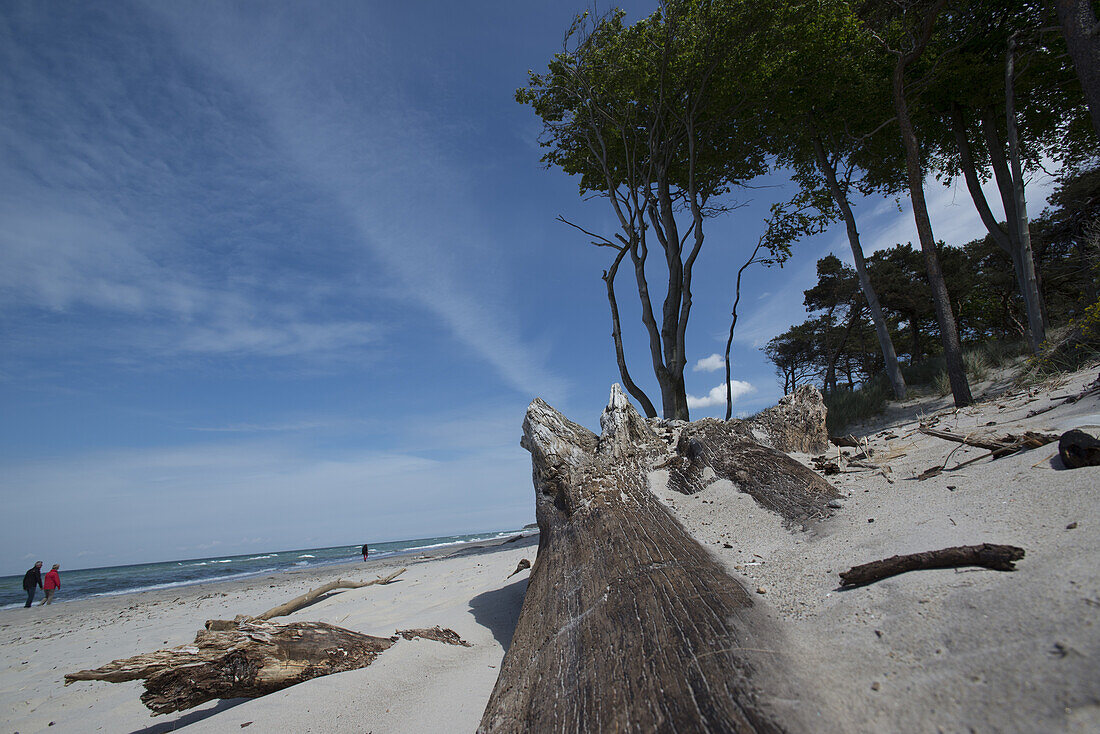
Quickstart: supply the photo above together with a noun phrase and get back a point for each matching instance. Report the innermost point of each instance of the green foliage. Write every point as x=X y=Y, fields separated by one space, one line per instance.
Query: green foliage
x=977 y=364
x=1070 y=348
x=848 y=406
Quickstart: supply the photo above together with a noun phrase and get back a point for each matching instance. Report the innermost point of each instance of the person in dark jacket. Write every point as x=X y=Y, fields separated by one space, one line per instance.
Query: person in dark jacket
x=366 y=551
x=32 y=579
x=52 y=584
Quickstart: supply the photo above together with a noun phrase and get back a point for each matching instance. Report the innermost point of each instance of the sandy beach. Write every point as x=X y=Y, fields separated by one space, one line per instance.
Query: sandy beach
x=966 y=650
x=416 y=685
x=953 y=650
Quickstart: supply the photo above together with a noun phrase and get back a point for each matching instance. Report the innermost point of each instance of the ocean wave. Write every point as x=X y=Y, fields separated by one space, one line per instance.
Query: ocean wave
x=307 y=556
x=174 y=584
x=260 y=558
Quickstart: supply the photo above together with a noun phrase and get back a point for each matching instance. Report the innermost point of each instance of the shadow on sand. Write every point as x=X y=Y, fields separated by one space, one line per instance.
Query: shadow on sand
x=499 y=610
x=192 y=717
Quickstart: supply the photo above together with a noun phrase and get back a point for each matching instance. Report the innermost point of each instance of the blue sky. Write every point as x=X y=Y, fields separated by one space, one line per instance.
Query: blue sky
x=277 y=275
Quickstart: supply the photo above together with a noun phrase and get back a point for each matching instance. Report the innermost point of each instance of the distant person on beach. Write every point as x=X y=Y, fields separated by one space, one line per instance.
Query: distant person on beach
x=51 y=584
x=366 y=551
x=32 y=579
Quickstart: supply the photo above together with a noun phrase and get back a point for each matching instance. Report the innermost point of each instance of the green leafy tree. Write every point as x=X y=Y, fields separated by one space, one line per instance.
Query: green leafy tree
x=656 y=118
x=903 y=30
x=1002 y=98
x=830 y=116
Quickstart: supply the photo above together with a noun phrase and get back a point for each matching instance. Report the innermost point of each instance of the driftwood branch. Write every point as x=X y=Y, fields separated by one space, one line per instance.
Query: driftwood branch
x=986 y=555
x=300 y=601
x=251 y=657
x=999 y=447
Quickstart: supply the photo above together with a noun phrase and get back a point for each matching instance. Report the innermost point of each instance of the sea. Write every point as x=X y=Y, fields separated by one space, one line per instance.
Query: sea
x=114 y=580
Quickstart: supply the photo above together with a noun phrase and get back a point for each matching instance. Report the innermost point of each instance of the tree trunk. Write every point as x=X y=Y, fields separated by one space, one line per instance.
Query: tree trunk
x=1029 y=285
x=617 y=338
x=1082 y=33
x=882 y=330
x=628 y=624
x=949 y=334
x=1011 y=238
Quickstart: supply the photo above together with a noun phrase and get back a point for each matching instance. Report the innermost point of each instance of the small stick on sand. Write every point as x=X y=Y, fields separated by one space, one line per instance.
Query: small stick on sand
x=986 y=555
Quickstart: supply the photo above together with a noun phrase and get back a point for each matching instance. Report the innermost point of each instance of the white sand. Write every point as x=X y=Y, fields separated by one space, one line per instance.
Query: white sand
x=942 y=650
x=946 y=650
x=415 y=686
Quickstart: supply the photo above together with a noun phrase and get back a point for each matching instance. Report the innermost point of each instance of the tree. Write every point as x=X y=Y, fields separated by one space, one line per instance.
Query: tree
x=793 y=353
x=903 y=29
x=831 y=113
x=653 y=117
x=1008 y=98
x=1082 y=34
x=838 y=294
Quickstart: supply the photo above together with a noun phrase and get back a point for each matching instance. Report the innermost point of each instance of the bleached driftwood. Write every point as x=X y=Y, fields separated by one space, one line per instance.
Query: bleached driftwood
x=300 y=601
x=628 y=624
x=251 y=660
x=251 y=657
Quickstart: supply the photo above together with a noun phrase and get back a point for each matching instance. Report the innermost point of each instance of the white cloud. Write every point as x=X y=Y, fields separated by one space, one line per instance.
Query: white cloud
x=713 y=363
x=717 y=395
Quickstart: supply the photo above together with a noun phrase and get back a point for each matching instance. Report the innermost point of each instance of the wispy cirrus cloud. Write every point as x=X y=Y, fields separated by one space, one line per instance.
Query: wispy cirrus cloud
x=391 y=164
x=159 y=206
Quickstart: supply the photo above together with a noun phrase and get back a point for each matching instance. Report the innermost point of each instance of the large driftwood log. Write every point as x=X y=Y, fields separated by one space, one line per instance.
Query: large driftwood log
x=986 y=555
x=628 y=624
x=254 y=659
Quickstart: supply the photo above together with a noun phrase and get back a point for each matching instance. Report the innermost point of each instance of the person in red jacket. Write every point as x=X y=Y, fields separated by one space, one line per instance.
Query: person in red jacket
x=50 y=584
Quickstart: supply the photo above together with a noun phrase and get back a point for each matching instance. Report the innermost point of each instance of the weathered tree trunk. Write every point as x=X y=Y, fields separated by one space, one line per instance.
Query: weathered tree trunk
x=251 y=660
x=1029 y=286
x=628 y=624
x=1082 y=33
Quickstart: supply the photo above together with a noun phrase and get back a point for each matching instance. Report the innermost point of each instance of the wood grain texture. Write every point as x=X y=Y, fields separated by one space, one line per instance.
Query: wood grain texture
x=251 y=660
x=628 y=624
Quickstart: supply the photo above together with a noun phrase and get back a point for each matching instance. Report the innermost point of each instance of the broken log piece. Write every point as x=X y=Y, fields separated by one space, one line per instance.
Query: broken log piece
x=522 y=565
x=1077 y=448
x=437 y=633
x=252 y=660
x=986 y=555
x=796 y=423
x=776 y=481
x=628 y=624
